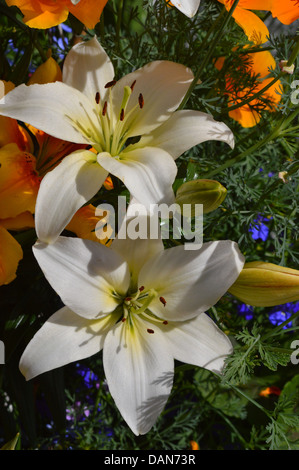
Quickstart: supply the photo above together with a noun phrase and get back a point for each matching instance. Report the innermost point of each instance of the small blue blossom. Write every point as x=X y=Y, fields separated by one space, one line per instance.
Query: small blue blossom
x=281 y=313
x=246 y=311
x=258 y=229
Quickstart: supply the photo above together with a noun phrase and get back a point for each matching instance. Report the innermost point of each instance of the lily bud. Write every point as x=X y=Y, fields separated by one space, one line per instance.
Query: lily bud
x=209 y=193
x=266 y=285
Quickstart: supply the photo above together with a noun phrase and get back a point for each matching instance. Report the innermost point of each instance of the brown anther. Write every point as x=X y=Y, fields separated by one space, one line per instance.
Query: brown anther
x=127 y=299
x=162 y=300
x=110 y=84
x=140 y=101
x=123 y=319
x=141 y=288
x=165 y=322
x=104 y=111
x=150 y=331
x=122 y=114
x=97 y=97
x=133 y=84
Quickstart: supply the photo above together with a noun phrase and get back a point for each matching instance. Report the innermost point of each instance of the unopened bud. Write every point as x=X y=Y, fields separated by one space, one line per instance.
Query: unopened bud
x=209 y=193
x=266 y=285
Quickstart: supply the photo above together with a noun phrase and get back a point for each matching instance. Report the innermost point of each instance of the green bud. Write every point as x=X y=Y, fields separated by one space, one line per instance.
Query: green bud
x=209 y=193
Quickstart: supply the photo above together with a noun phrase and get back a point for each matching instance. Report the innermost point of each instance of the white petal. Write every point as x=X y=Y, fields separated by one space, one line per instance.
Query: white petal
x=54 y=108
x=185 y=129
x=139 y=373
x=88 y=68
x=64 y=190
x=198 y=341
x=148 y=173
x=85 y=274
x=191 y=281
x=137 y=251
x=188 y=7
x=163 y=85
x=65 y=337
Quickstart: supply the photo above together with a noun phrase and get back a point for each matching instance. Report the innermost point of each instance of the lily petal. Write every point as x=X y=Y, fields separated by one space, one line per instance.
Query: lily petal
x=64 y=190
x=139 y=372
x=188 y=7
x=90 y=57
x=85 y=274
x=198 y=341
x=191 y=281
x=162 y=84
x=148 y=173
x=185 y=129
x=55 y=108
x=64 y=338
x=137 y=251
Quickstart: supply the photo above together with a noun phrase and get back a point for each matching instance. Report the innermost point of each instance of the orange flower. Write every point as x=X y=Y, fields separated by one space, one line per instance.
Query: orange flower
x=273 y=390
x=44 y=14
x=257 y=65
x=194 y=445
x=252 y=25
x=287 y=11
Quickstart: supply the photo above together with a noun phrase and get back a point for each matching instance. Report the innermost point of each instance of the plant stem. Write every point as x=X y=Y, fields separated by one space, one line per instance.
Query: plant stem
x=210 y=52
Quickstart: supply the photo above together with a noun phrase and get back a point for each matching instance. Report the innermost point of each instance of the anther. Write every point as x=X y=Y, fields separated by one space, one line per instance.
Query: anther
x=123 y=319
x=97 y=97
x=122 y=114
x=162 y=300
x=141 y=288
x=127 y=299
x=165 y=322
x=133 y=84
x=150 y=331
x=104 y=111
x=140 y=101
x=110 y=84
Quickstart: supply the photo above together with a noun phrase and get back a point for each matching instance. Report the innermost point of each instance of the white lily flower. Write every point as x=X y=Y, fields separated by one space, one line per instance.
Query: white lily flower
x=143 y=306
x=188 y=7
x=89 y=107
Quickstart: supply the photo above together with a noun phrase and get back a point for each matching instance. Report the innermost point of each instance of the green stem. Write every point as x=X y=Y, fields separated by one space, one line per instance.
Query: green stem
x=278 y=130
x=209 y=54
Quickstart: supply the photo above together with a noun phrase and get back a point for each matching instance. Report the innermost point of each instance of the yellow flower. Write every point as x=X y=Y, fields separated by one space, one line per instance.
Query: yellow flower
x=43 y=14
x=209 y=193
x=263 y=284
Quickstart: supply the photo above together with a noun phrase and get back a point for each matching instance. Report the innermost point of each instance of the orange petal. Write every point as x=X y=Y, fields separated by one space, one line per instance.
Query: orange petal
x=256 y=4
x=41 y=14
x=88 y=11
x=9 y=128
x=47 y=72
x=108 y=183
x=245 y=116
x=84 y=225
x=23 y=221
x=19 y=182
x=261 y=63
x=252 y=25
x=10 y=255
x=287 y=11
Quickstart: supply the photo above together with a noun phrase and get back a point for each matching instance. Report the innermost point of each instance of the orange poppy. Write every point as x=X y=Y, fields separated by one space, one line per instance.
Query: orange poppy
x=42 y=14
x=257 y=32
x=258 y=66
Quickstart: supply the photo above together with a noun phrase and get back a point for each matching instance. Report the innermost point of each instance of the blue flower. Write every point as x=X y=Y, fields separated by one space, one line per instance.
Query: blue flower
x=281 y=313
x=246 y=311
x=258 y=229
